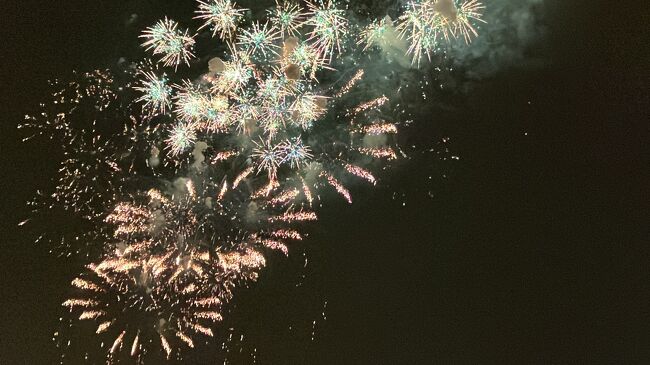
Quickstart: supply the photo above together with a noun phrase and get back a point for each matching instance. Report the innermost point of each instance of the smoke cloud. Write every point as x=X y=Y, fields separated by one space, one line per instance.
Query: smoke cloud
x=507 y=40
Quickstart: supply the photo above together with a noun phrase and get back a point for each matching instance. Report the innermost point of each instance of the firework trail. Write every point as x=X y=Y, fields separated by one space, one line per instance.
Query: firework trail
x=180 y=187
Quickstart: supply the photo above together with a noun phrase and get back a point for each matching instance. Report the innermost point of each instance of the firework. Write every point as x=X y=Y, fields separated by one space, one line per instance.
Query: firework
x=353 y=81
x=295 y=152
x=379 y=152
x=379 y=128
x=244 y=174
x=295 y=217
x=306 y=109
x=285 y=197
x=181 y=138
x=268 y=156
x=234 y=75
x=147 y=304
x=188 y=183
x=360 y=172
x=259 y=39
x=329 y=26
x=221 y=16
x=287 y=17
x=339 y=188
x=307 y=57
x=428 y=23
x=156 y=93
x=373 y=33
x=287 y=234
x=469 y=12
x=174 y=45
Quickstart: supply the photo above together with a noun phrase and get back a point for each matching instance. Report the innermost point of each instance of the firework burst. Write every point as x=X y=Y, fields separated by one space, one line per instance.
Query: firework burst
x=329 y=26
x=259 y=40
x=287 y=17
x=166 y=39
x=156 y=93
x=427 y=25
x=183 y=196
x=221 y=16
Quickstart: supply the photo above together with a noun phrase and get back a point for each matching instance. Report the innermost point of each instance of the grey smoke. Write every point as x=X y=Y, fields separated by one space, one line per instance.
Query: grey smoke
x=197 y=154
x=154 y=159
x=394 y=48
x=507 y=40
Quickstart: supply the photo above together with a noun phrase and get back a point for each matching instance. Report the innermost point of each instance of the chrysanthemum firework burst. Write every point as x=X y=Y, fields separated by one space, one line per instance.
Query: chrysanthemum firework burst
x=269 y=156
x=156 y=93
x=173 y=44
x=287 y=17
x=329 y=26
x=373 y=33
x=159 y=301
x=295 y=152
x=222 y=16
x=181 y=138
x=259 y=40
x=427 y=24
x=468 y=13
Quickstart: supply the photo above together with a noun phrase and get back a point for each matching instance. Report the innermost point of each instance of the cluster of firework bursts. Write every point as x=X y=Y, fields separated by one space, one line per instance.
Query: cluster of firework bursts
x=188 y=185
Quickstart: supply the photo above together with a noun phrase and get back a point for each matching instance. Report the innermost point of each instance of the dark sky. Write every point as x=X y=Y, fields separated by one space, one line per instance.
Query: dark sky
x=527 y=253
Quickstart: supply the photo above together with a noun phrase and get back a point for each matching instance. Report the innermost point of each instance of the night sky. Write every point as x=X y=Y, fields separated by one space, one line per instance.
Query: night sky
x=530 y=248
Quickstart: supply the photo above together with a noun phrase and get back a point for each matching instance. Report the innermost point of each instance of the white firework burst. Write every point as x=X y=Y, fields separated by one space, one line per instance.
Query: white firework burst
x=268 y=157
x=287 y=17
x=295 y=152
x=260 y=38
x=329 y=26
x=166 y=39
x=181 y=138
x=156 y=93
x=221 y=16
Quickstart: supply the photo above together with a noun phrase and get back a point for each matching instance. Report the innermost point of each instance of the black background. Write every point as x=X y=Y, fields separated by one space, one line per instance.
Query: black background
x=531 y=251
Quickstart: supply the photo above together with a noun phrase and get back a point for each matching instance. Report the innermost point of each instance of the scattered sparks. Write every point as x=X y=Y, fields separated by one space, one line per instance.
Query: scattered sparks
x=358 y=171
x=380 y=128
x=275 y=245
x=222 y=156
x=287 y=234
x=224 y=189
x=371 y=104
x=379 y=152
x=244 y=174
x=293 y=217
x=338 y=186
x=353 y=81
x=165 y=345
